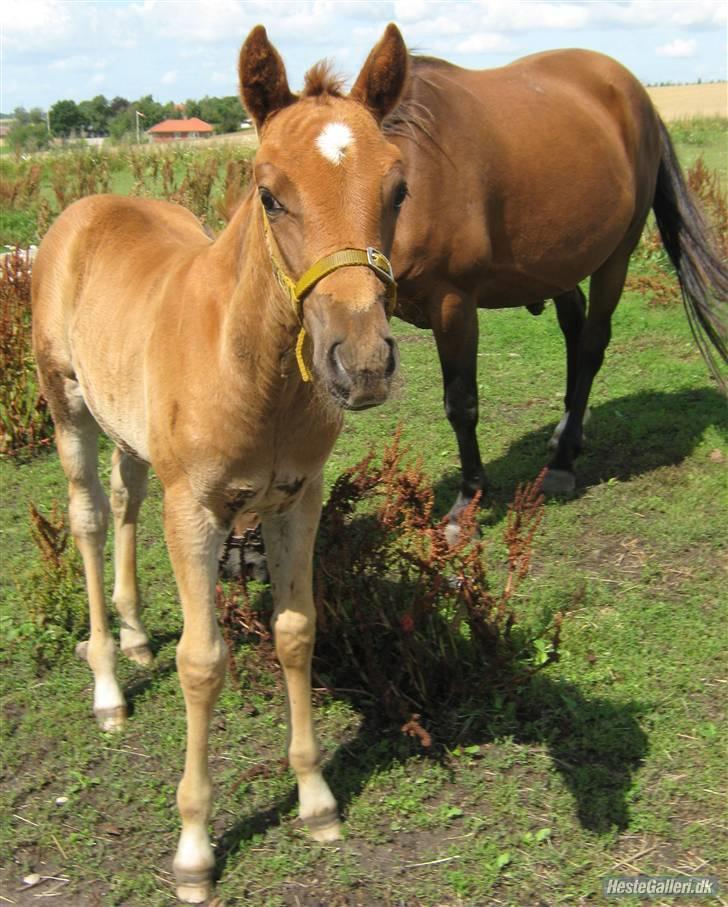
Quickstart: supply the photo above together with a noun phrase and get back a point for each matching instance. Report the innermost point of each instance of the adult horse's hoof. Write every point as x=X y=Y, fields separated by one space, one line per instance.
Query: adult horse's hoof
x=558 y=483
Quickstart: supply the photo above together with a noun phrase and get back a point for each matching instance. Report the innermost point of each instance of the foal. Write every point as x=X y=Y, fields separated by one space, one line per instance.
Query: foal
x=200 y=358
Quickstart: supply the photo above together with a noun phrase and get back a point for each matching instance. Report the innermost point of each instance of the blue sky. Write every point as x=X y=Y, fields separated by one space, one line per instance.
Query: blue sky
x=177 y=49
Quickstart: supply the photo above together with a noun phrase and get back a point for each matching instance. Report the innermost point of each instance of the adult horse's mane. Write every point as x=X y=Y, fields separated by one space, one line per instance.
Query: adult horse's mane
x=411 y=118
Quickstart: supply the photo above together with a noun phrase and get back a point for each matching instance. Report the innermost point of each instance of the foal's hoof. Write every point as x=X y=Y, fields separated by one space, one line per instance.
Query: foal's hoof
x=559 y=483
x=111 y=720
x=142 y=655
x=191 y=890
x=324 y=828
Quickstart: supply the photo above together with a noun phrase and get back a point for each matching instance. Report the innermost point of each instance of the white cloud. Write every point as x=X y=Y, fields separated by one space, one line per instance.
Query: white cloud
x=411 y=10
x=78 y=63
x=169 y=77
x=484 y=42
x=680 y=47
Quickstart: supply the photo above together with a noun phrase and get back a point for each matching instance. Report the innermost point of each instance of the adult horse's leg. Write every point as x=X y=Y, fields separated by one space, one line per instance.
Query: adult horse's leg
x=128 y=490
x=194 y=545
x=77 y=442
x=289 y=540
x=455 y=326
x=571 y=313
x=605 y=290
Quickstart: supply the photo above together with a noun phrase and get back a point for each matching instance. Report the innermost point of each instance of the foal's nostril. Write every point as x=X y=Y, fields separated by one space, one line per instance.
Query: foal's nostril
x=391 y=358
x=337 y=366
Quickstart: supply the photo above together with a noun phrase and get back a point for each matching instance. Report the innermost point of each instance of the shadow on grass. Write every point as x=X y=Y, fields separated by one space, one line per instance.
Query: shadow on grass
x=595 y=744
x=625 y=438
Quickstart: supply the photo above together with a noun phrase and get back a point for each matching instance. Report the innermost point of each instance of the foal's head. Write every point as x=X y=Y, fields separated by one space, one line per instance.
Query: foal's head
x=329 y=181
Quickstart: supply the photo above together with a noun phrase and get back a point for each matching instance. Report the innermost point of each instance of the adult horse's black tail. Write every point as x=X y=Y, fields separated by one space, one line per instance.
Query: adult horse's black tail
x=703 y=276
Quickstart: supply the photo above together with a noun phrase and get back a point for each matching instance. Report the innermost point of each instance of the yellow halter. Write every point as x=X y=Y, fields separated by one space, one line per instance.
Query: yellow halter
x=345 y=258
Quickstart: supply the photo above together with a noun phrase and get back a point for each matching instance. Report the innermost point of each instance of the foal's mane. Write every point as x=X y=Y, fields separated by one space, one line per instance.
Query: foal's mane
x=321 y=80
x=410 y=118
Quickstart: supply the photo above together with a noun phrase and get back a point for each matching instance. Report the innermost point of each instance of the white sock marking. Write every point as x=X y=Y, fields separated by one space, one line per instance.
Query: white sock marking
x=334 y=141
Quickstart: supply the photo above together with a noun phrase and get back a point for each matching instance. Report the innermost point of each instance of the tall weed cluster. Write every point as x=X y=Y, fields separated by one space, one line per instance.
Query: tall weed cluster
x=25 y=421
x=419 y=630
x=54 y=609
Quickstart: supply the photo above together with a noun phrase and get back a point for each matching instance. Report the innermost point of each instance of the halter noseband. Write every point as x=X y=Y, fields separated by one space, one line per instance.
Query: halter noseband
x=345 y=258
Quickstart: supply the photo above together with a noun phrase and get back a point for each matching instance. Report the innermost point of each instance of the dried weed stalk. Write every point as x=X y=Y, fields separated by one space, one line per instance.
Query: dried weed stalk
x=25 y=422
x=419 y=624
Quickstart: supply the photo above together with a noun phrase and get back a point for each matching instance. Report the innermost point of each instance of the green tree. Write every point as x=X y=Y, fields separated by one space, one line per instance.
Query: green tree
x=28 y=137
x=193 y=109
x=95 y=114
x=224 y=114
x=118 y=105
x=65 y=118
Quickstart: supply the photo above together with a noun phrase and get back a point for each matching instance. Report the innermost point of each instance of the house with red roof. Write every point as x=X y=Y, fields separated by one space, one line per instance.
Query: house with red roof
x=168 y=130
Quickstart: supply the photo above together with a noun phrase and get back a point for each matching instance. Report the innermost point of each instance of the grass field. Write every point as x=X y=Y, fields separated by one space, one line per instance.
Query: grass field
x=611 y=761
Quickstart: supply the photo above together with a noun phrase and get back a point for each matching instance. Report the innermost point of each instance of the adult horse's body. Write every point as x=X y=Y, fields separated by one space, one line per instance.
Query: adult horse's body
x=181 y=350
x=524 y=181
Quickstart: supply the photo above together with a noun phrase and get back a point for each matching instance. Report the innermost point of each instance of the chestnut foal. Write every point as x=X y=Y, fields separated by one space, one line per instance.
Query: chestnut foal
x=184 y=352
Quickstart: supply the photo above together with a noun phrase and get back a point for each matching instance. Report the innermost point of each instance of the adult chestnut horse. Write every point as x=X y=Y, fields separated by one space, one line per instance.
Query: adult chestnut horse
x=182 y=350
x=524 y=181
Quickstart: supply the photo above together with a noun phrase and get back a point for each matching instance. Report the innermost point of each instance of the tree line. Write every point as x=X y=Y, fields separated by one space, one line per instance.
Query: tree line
x=34 y=129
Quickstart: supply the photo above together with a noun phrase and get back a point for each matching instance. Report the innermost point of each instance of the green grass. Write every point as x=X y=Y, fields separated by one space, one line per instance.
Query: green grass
x=611 y=761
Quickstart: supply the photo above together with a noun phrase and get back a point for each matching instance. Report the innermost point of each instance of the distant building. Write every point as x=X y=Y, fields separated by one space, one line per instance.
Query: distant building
x=6 y=124
x=168 y=130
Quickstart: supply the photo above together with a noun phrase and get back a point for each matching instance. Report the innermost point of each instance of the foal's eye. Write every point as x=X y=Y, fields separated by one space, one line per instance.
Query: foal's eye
x=270 y=202
x=400 y=195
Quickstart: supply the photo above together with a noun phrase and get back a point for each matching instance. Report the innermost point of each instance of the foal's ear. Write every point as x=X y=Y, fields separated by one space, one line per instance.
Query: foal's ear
x=263 y=82
x=383 y=76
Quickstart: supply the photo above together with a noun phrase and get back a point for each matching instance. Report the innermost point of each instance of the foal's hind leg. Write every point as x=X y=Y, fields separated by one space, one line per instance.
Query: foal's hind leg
x=605 y=290
x=76 y=440
x=128 y=490
x=571 y=313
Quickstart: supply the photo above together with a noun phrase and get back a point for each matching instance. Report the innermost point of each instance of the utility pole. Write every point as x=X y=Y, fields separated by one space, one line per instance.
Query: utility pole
x=138 y=114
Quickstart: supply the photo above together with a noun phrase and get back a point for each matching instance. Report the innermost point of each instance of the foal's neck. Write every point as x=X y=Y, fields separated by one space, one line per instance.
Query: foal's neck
x=258 y=324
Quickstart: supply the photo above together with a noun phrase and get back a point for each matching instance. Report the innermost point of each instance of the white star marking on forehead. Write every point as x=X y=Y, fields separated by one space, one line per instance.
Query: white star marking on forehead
x=334 y=141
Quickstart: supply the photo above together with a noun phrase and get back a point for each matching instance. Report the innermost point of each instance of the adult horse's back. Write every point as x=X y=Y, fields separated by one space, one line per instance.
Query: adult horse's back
x=524 y=181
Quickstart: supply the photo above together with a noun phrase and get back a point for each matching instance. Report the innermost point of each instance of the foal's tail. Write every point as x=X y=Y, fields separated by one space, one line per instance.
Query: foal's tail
x=703 y=276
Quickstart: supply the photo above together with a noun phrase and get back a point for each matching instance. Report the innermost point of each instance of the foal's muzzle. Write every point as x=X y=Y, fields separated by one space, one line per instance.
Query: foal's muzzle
x=359 y=382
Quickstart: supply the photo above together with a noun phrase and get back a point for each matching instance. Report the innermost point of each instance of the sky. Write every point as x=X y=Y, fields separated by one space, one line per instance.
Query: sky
x=179 y=49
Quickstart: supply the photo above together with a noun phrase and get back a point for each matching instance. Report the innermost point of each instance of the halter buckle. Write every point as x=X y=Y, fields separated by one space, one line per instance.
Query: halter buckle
x=379 y=263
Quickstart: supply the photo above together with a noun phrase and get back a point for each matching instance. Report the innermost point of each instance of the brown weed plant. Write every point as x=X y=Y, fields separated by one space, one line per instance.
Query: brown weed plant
x=74 y=176
x=417 y=627
x=659 y=286
x=53 y=593
x=25 y=422
x=20 y=190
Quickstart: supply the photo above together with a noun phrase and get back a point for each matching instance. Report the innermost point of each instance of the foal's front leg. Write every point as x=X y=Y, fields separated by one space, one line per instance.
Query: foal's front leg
x=289 y=541
x=194 y=544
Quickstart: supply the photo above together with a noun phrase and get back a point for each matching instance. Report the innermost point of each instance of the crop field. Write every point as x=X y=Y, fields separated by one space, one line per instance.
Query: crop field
x=679 y=102
x=592 y=751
